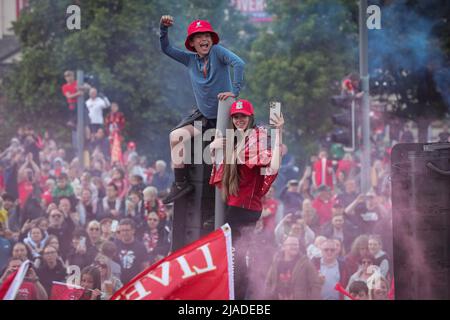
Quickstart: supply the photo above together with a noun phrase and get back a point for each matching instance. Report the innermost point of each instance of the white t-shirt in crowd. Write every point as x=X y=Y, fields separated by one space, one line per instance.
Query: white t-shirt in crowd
x=95 y=107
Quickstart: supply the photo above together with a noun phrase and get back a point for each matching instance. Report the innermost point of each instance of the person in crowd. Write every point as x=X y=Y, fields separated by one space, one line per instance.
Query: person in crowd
x=80 y=253
x=323 y=171
x=72 y=91
x=136 y=184
x=31 y=287
x=62 y=228
x=243 y=183
x=107 y=234
x=63 y=189
x=155 y=238
x=110 y=283
x=65 y=206
x=293 y=225
x=339 y=228
x=152 y=203
x=51 y=269
x=359 y=290
x=94 y=235
x=381 y=259
x=323 y=204
x=308 y=213
x=87 y=207
x=304 y=185
x=100 y=142
x=161 y=178
x=135 y=210
x=292 y=276
x=109 y=249
x=366 y=212
x=290 y=197
x=365 y=270
x=359 y=249
x=111 y=206
x=378 y=287
x=209 y=69
x=268 y=214
x=28 y=178
x=6 y=245
x=331 y=270
x=313 y=250
x=132 y=253
x=35 y=241
x=350 y=193
x=20 y=251
x=91 y=282
x=114 y=121
x=95 y=105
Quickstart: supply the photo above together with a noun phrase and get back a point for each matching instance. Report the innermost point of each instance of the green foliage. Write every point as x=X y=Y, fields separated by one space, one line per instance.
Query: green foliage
x=299 y=60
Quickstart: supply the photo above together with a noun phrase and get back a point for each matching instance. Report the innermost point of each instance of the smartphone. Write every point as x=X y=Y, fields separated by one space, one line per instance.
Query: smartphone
x=275 y=109
x=114 y=225
x=83 y=242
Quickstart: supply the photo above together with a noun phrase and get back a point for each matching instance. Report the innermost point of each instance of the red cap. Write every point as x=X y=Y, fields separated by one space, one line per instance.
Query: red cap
x=131 y=145
x=242 y=106
x=200 y=26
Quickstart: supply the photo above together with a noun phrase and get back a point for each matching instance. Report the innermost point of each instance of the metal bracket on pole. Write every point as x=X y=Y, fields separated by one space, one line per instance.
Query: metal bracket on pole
x=223 y=117
x=80 y=121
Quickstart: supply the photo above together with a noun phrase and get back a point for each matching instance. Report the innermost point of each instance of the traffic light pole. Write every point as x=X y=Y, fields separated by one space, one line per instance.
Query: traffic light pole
x=353 y=127
x=364 y=74
x=80 y=120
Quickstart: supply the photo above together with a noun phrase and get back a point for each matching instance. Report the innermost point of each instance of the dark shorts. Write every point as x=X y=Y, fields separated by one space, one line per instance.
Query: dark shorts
x=240 y=219
x=196 y=115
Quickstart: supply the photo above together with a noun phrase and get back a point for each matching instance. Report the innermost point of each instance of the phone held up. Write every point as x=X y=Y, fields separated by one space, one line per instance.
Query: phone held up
x=275 y=109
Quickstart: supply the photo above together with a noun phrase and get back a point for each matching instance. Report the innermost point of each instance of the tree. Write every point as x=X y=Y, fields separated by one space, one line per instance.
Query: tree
x=119 y=45
x=300 y=59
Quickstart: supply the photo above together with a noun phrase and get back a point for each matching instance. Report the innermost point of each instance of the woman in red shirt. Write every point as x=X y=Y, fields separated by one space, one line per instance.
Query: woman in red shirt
x=249 y=171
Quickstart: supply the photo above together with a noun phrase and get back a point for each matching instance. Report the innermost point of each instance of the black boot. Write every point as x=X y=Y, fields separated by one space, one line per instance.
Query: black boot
x=178 y=190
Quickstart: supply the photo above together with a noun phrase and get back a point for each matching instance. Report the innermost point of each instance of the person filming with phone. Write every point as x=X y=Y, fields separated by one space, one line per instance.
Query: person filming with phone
x=249 y=170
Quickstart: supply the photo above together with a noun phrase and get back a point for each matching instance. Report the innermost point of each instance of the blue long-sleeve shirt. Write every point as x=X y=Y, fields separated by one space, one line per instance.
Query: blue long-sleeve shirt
x=218 y=78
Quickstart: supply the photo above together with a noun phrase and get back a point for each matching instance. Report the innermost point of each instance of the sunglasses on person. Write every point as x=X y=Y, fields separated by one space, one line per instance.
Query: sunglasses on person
x=366 y=262
x=329 y=250
x=94 y=229
x=56 y=216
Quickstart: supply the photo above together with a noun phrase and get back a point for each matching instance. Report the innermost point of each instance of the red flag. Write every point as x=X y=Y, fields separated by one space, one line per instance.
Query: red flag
x=64 y=291
x=200 y=271
x=391 y=294
x=116 y=149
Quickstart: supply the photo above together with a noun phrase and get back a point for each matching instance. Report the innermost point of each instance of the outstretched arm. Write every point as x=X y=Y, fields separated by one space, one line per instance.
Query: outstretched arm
x=174 y=53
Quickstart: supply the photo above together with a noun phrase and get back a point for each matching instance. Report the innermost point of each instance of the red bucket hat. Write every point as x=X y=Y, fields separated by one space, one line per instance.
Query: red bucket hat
x=200 y=26
x=242 y=106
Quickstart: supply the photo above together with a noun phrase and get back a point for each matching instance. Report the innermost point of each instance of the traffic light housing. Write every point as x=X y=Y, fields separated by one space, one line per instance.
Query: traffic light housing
x=342 y=121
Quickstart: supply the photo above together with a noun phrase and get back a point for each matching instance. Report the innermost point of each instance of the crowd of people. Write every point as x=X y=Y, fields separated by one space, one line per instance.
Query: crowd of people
x=105 y=223
x=110 y=222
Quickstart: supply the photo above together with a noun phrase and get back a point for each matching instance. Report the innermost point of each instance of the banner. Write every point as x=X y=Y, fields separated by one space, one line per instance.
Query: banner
x=12 y=283
x=64 y=291
x=116 y=149
x=202 y=270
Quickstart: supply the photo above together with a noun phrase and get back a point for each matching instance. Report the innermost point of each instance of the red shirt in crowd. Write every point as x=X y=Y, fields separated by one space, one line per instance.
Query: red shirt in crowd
x=25 y=189
x=323 y=209
x=116 y=119
x=323 y=173
x=71 y=88
x=27 y=291
x=271 y=205
x=345 y=166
